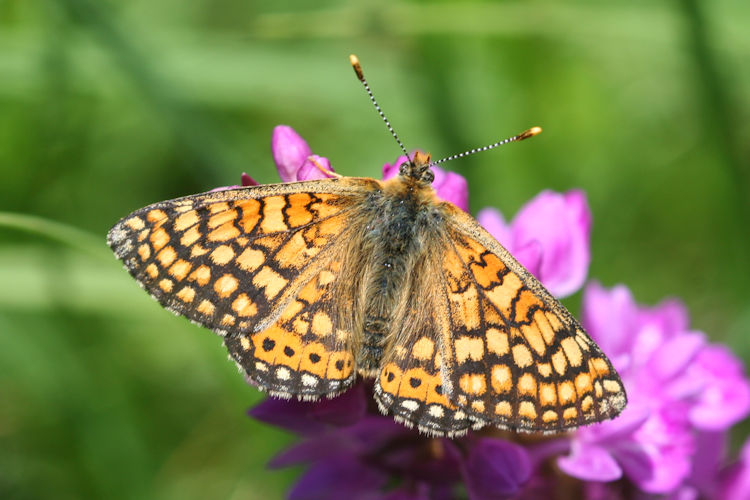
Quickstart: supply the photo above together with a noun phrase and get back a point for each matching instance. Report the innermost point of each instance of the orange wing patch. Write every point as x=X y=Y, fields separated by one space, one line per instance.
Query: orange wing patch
x=516 y=357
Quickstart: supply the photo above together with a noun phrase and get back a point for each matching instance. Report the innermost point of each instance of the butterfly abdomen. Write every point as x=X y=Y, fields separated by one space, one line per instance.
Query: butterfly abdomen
x=395 y=237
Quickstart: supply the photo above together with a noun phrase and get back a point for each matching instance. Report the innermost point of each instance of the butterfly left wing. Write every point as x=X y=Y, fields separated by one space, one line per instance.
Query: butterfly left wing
x=256 y=265
x=228 y=259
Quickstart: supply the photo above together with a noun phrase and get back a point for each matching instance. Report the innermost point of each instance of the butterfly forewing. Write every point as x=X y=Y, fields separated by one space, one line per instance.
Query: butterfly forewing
x=255 y=264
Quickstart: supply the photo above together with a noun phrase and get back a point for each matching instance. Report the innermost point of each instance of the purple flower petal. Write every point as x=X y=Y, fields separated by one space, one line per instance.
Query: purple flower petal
x=435 y=460
x=309 y=171
x=420 y=491
x=669 y=316
x=328 y=444
x=451 y=187
x=289 y=414
x=495 y=469
x=493 y=221
x=710 y=451
x=604 y=491
x=725 y=396
x=307 y=417
x=246 y=180
x=590 y=463
x=529 y=254
x=660 y=454
x=224 y=188
x=359 y=439
x=658 y=472
x=674 y=355
x=338 y=478
x=609 y=317
x=735 y=480
x=629 y=421
x=659 y=360
x=561 y=223
x=550 y=237
x=290 y=151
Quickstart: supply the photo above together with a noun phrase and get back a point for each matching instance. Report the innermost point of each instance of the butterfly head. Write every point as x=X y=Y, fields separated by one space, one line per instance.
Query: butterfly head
x=418 y=168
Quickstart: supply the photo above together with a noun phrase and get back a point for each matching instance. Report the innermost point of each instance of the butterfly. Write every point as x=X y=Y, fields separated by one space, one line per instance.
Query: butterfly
x=314 y=283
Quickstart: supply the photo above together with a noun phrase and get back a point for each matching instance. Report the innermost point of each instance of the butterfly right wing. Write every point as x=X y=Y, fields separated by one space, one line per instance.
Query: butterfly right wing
x=518 y=358
x=476 y=340
x=240 y=261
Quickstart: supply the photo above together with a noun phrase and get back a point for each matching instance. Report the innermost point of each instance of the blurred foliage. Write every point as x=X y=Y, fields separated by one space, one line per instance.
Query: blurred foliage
x=108 y=106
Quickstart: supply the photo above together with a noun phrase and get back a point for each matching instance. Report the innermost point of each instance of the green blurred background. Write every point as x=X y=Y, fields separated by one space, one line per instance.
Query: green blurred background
x=108 y=106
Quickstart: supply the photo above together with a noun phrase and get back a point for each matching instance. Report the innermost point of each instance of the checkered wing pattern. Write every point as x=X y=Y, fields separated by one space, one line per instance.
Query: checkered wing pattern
x=259 y=266
x=516 y=357
x=480 y=341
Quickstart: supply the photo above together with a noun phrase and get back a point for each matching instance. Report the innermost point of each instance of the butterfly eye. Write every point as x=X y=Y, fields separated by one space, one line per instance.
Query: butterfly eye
x=428 y=176
x=405 y=168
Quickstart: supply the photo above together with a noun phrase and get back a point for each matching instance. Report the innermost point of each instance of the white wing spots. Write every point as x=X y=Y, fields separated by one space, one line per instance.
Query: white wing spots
x=410 y=404
x=282 y=373
x=309 y=380
x=436 y=411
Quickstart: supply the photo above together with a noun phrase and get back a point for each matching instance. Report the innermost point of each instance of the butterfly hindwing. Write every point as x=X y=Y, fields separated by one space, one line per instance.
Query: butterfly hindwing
x=412 y=384
x=517 y=357
x=239 y=261
x=307 y=352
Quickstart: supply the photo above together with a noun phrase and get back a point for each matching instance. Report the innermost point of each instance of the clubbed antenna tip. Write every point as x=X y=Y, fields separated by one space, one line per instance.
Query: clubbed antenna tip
x=357 y=67
x=529 y=133
x=358 y=70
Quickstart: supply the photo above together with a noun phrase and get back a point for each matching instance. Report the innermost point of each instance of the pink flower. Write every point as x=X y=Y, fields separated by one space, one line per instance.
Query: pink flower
x=684 y=392
x=734 y=483
x=294 y=158
x=245 y=181
x=679 y=387
x=550 y=236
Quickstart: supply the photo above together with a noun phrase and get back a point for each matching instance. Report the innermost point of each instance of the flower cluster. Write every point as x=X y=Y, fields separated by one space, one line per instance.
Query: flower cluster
x=684 y=392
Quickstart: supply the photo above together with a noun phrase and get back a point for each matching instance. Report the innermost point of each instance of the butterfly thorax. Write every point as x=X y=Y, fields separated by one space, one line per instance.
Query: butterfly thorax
x=404 y=215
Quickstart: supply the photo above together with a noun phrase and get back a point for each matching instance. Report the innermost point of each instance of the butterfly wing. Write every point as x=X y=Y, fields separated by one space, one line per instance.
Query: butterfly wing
x=248 y=263
x=517 y=358
x=476 y=339
x=308 y=351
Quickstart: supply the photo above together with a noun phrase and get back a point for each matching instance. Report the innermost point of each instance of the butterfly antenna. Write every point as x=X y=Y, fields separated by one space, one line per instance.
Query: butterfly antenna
x=523 y=135
x=358 y=70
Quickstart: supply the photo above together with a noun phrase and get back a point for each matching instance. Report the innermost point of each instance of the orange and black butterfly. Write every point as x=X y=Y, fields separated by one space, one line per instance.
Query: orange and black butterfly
x=314 y=283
